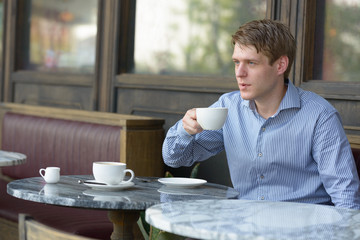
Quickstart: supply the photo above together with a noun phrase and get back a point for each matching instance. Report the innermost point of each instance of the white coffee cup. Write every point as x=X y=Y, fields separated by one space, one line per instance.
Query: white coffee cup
x=111 y=173
x=211 y=118
x=51 y=175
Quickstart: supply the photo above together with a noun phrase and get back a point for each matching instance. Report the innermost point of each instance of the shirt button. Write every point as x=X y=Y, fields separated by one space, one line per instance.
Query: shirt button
x=260 y=155
x=262 y=176
x=262 y=198
x=263 y=129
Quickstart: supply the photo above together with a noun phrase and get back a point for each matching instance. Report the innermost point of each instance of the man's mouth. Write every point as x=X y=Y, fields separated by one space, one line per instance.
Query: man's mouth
x=243 y=86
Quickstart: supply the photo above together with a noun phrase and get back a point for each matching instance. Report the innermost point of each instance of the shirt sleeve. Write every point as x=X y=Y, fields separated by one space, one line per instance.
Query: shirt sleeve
x=182 y=149
x=336 y=165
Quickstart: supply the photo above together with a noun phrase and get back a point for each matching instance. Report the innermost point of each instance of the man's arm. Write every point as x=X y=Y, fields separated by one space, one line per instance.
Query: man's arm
x=332 y=152
x=187 y=143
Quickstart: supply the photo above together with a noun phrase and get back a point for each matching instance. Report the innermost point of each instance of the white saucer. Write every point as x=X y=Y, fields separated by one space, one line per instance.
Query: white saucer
x=182 y=182
x=120 y=186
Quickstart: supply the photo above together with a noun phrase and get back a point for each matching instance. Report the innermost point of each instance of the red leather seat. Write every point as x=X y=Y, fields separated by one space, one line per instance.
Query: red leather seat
x=356 y=153
x=70 y=145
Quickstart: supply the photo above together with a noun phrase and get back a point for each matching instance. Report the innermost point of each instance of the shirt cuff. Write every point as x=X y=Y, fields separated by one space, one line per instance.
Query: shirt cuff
x=183 y=133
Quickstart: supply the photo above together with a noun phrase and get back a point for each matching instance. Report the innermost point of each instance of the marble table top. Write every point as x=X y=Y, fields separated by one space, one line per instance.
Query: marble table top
x=256 y=220
x=68 y=192
x=11 y=158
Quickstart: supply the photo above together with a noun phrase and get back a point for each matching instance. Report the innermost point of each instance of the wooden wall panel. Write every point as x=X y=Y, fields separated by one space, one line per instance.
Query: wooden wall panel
x=169 y=104
x=74 y=97
x=349 y=111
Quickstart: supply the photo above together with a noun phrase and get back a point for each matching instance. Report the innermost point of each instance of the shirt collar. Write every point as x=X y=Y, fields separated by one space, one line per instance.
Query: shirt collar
x=290 y=100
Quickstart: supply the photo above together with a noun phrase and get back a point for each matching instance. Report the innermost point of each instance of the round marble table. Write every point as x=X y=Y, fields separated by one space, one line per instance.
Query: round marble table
x=123 y=205
x=247 y=219
x=11 y=158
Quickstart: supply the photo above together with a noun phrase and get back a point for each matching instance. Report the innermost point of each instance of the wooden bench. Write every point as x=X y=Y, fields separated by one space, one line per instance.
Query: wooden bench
x=29 y=229
x=72 y=140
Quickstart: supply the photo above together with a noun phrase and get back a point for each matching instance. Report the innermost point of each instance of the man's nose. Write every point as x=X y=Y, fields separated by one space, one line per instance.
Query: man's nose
x=240 y=71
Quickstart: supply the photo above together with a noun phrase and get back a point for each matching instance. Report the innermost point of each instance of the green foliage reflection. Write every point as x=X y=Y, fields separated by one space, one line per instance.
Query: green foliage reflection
x=199 y=33
x=341 y=59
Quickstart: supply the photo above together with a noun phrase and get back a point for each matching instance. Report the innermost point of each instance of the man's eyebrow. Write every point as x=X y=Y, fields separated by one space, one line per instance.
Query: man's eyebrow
x=246 y=59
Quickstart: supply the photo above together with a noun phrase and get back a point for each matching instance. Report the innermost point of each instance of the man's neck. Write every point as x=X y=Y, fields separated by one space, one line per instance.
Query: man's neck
x=267 y=108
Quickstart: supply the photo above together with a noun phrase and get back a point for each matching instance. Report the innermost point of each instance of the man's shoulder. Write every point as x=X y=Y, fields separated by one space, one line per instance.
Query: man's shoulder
x=312 y=99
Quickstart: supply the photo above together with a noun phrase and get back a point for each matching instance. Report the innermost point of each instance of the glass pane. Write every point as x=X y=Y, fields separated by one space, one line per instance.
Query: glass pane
x=337 y=47
x=190 y=37
x=63 y=35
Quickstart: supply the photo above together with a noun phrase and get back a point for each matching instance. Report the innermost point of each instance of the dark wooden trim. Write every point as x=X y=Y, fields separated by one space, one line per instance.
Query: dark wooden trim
x=303 y=27
x=107 y=60
x=177 y=83
x=126 y=36
x=117 y=48
x=22 y=40
x=309 y=41
x=271 y=9
x=3 y=47
x=353 y=135
x=342 y=90
x=8 y=54
x=98 y=60
x=284 y=8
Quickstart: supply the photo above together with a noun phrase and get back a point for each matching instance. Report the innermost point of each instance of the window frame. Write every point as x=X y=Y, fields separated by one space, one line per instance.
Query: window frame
x=14 y=31
x=301 y=15
x=303 y=28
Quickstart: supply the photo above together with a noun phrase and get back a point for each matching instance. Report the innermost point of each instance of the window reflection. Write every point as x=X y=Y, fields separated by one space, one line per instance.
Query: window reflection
x=189 y=37
x=337 y=46
x=63 y=35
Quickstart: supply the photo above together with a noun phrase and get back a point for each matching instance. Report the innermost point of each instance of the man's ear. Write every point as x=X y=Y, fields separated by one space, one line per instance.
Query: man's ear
x=282 y=65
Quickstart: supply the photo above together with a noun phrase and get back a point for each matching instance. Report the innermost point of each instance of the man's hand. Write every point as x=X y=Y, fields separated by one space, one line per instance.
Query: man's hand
x=190 y=124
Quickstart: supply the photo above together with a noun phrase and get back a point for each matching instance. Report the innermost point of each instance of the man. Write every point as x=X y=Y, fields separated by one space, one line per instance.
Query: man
x=282 y=143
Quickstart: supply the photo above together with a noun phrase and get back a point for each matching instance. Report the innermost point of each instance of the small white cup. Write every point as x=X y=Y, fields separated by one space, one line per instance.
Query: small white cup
x=51 y=175
x=211 y=118
x=111 y=173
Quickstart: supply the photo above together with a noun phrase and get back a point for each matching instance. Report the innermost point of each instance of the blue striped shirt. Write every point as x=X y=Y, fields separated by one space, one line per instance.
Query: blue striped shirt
x=300 y=154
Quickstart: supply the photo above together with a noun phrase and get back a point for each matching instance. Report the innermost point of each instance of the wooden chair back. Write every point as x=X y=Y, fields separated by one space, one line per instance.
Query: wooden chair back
x=30 y=229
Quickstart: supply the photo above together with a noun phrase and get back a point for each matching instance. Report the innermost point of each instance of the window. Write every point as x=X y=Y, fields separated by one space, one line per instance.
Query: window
x=337 y=41
x=189 y=37
x=61 y=36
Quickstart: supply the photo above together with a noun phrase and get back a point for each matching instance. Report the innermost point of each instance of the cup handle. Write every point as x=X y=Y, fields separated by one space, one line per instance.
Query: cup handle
x=132 y=174
x=40 y=171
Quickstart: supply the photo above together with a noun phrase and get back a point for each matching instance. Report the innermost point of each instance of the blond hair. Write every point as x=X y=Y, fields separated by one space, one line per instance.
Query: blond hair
x=269 y=37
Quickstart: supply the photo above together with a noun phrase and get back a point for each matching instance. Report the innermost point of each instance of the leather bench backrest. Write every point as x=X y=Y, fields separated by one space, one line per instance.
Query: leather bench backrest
x=356 y=153
x=70 y=145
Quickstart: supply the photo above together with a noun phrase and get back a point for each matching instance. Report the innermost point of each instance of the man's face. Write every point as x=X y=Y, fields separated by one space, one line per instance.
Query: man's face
x=256 y=78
